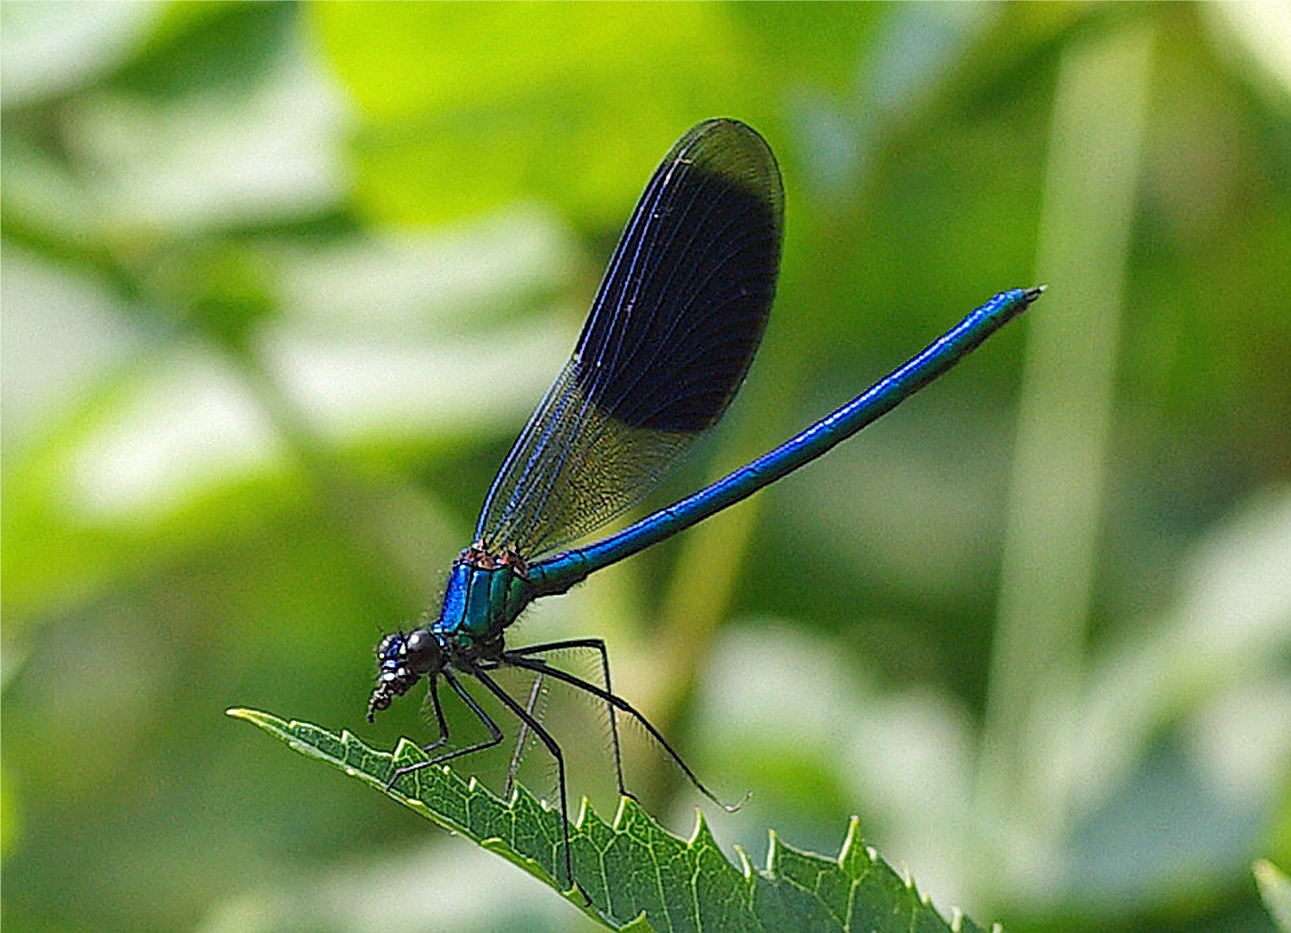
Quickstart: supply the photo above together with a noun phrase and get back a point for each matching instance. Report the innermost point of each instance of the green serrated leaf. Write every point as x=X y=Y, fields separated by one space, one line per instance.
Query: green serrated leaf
x=637 y=876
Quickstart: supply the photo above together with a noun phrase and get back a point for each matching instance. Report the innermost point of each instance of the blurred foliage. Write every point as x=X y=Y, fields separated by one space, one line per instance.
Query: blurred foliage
x=281 y=283
x=1275 y=888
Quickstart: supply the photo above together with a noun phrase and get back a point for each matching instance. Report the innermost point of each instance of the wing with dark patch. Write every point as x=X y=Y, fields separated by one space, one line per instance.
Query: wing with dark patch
x=668 y=342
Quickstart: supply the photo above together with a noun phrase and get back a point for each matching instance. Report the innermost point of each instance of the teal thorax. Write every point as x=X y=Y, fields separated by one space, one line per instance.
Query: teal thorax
x=485 y=593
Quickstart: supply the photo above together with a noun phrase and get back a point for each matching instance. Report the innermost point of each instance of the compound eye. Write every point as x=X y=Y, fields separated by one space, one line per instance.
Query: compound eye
x=423 y=651
x=420 y=641
x=388 y=643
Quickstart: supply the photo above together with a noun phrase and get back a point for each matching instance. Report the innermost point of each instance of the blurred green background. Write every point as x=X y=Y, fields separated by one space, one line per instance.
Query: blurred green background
x=281 y=283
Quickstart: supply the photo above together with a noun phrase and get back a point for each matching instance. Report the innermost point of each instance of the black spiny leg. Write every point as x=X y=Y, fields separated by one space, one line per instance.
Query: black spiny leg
x=495 y=734
x=433 y=692
x=542 y=667
x=598 y=645
x=554 y=748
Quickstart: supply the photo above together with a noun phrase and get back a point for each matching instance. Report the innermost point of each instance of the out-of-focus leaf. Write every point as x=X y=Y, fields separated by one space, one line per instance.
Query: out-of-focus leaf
x=581 y=129
x=404 y=60
x=1275 y=889
x=50 y=48
x=208 y=48
x=9 y=822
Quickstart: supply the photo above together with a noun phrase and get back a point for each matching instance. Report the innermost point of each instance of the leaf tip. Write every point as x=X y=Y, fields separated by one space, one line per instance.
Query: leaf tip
x=773 y=851
x=407 y=749
x=628 y=809
x=702 y=835
x=584 y=811
x=266 y=721
x=850 y=841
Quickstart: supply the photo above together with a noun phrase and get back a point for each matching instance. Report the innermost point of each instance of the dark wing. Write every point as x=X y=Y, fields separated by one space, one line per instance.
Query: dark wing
x=668 y=342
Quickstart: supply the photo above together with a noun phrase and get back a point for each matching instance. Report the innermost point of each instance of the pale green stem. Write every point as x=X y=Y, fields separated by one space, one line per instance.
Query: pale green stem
x=1055 y=500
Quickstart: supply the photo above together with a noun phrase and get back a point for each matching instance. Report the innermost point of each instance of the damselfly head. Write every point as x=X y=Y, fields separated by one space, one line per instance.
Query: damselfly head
x=403 y=660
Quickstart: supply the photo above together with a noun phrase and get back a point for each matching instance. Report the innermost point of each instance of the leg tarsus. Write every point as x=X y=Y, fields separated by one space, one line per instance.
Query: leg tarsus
x=553 y=747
